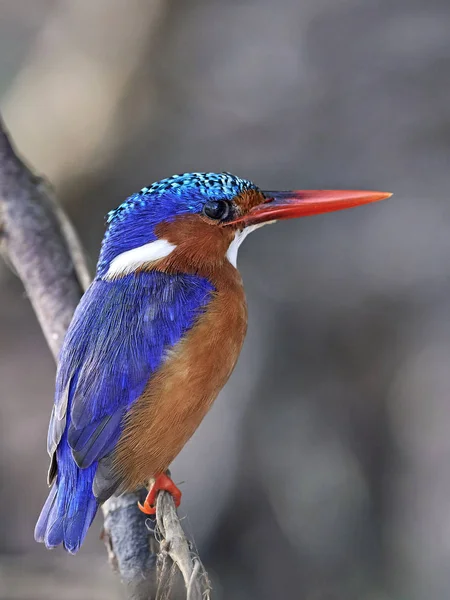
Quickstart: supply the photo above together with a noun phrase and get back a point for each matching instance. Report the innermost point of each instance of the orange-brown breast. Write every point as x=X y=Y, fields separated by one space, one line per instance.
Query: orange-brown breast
x=179 y=395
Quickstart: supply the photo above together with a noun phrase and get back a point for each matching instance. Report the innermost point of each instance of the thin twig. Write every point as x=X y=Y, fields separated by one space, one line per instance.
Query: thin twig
x=44 y=250
x=177 y=547
x=191 y=591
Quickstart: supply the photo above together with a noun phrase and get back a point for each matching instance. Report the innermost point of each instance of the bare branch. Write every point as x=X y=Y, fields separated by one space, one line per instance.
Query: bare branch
x=35 y=245
x=178 y=549
x=44 y=250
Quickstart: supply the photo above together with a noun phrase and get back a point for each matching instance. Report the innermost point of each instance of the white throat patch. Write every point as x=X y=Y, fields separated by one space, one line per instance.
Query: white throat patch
x=129 y=261
x=239 y=237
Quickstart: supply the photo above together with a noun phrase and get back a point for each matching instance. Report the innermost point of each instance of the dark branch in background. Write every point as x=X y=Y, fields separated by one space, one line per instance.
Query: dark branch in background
x=42 y=247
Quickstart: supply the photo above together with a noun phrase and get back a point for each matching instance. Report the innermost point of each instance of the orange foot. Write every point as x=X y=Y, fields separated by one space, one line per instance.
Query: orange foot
x=161 y=482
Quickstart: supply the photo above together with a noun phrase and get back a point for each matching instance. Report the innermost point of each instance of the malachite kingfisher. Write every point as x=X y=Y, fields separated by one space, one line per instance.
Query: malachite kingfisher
x=155 y=338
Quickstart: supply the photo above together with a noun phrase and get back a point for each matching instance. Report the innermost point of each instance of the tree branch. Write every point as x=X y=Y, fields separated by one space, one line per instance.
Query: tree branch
x=43 y=248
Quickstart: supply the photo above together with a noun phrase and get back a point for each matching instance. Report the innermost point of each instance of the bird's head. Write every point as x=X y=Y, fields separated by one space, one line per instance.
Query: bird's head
x=195 y=222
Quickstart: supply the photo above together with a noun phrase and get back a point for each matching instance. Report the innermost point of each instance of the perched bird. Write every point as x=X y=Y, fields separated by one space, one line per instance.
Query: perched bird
x=155 y=338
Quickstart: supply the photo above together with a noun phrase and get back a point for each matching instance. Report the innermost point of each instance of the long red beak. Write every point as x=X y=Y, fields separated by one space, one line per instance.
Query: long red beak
x=303 y=203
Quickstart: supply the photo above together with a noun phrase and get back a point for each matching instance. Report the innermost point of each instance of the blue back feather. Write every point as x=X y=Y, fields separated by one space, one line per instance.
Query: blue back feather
x=118 y=337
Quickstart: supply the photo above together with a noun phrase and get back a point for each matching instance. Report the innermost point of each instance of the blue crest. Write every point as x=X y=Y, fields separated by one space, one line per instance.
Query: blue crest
x=132 y=224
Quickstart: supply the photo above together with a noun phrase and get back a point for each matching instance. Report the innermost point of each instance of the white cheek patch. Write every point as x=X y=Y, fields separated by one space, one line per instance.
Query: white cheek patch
x=239 y=237
x=129 y=261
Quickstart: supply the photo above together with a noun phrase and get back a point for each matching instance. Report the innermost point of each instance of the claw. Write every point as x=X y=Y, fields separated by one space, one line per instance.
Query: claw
x=146 y=508
x=161 y=482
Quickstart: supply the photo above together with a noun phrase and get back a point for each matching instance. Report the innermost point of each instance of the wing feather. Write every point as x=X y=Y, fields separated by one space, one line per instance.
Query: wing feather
x=119 y=336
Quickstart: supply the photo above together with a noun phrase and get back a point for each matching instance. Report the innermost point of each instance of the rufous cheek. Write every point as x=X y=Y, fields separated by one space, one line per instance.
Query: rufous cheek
x=201 y=246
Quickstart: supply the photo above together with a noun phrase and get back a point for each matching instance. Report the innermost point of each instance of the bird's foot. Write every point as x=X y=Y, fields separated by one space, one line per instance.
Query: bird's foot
x=161 y=482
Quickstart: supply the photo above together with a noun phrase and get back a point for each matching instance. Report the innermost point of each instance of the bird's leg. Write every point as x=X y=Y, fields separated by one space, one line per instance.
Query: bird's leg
x=160 y=482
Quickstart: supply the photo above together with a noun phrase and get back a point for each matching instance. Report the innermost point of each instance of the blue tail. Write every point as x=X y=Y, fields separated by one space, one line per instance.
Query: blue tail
x=70 y=507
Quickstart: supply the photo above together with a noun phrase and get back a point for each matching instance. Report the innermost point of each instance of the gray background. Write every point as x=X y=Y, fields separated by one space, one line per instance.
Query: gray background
x=323 y=470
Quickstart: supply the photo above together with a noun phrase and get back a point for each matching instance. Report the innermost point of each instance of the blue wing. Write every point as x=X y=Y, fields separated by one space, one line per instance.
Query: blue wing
x=117 y=339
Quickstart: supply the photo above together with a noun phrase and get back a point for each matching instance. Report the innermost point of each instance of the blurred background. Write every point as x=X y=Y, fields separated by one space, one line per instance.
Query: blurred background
x=323 y=470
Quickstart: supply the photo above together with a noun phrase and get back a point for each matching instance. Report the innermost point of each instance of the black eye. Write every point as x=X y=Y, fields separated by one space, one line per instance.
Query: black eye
x=216 y=209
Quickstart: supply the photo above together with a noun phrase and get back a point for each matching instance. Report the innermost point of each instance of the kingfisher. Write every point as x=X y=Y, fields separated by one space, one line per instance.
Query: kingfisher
x=155 y=338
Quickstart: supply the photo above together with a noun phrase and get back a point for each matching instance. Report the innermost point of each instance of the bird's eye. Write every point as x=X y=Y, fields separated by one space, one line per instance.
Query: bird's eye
x=216 y=209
